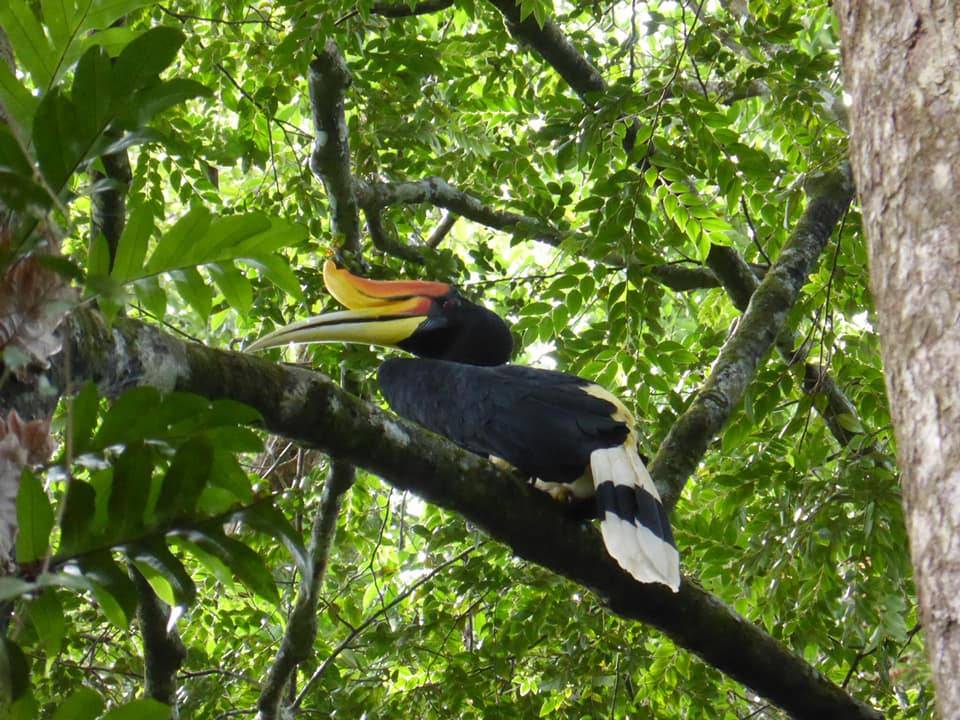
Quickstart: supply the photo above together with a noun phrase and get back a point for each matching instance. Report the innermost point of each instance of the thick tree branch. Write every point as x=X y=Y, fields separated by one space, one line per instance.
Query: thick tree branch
x=329 y=79
x=761 y=323
x=550 y=42
x=439 y=193
x=308 y=408
x=108 y=201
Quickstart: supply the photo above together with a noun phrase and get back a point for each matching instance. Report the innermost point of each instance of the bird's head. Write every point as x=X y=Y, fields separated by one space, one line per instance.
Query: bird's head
x=428 y=319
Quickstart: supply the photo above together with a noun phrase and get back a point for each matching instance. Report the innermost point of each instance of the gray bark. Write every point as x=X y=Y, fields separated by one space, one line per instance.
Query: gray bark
x=902 y=70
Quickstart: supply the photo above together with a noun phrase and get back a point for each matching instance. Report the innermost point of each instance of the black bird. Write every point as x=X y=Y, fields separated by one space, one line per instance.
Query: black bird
x=573 y=436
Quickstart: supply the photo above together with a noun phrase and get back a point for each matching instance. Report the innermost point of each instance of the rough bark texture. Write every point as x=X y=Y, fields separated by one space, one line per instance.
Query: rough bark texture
x=902 y=70
x=301 y=630
x=310 y=409
x=329 y=79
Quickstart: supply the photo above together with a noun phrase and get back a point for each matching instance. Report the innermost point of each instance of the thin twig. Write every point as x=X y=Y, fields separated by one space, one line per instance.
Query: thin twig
x=345 y=643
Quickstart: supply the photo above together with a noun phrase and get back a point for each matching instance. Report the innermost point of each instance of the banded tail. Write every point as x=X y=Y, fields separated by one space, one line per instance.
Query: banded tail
x=633 y=522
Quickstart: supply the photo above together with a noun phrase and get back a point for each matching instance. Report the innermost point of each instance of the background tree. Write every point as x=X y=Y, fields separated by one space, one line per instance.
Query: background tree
x=901 y=67
x=620 y=182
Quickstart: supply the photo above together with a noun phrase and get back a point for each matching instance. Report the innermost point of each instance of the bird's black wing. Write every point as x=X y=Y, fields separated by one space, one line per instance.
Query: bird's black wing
x=545 y=423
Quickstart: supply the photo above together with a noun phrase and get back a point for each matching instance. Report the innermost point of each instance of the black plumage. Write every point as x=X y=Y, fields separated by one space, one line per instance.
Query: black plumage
x=540 y=421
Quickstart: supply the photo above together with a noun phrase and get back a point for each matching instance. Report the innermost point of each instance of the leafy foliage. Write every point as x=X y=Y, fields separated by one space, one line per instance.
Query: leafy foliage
x=711 y=120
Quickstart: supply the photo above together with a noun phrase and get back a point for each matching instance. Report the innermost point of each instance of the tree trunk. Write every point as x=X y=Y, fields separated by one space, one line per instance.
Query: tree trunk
x=902 y=68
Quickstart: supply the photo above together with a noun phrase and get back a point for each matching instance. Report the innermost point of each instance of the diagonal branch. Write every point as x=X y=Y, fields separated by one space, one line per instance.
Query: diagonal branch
x=550 y=42
x=740 y=283
x=385 y=241
x=761 y=324
x=442 y=229
x=310 y=409
x=438 y=192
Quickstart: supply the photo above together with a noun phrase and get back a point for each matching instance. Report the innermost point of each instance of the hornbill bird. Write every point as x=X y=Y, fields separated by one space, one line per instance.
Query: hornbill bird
x=574 y=437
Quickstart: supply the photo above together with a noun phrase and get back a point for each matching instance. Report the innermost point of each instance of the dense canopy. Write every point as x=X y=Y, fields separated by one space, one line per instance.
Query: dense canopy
x=614 y=179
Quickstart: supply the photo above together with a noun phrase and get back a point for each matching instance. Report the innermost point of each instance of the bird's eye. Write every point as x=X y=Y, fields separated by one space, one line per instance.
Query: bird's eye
x=451 y=303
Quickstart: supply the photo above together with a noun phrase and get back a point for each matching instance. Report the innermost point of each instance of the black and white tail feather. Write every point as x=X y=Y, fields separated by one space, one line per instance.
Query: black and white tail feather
x=633 y=522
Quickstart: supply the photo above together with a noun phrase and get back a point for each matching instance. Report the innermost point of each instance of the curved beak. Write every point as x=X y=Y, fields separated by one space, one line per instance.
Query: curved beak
x=380 y=312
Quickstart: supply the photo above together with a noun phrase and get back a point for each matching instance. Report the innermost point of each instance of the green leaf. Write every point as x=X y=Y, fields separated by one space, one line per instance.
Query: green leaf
x=34 y=518
x=226 y=233
x=103 y=13
x=17 y=186
x=165 y=94
x=142 y=709
x=194 y=290
x=132 y=472
x=59 y=150
x=147 y=55
x=186 y=477
x=17 y=100
x=12 y=154
x=114 y=591
x=267 y=518
x=244 y=562
x=98 y=258
x=46 y=614
x=29 y=42
x=593 y=202
x=236 y=289
x=280 y=234
x=12 y=588
x=153 y=558
x=79 y=511
x=14 y=671
x=82 y=413
x=152 y=296
x=234 y=439
x=277 y=270
x=177 y=243
x=92 y=95
x=228 y=475
x=82 y=704
x=231 y=412
x=125 y=420
x=849 y=423
x=19 y=193
x=132 y=248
